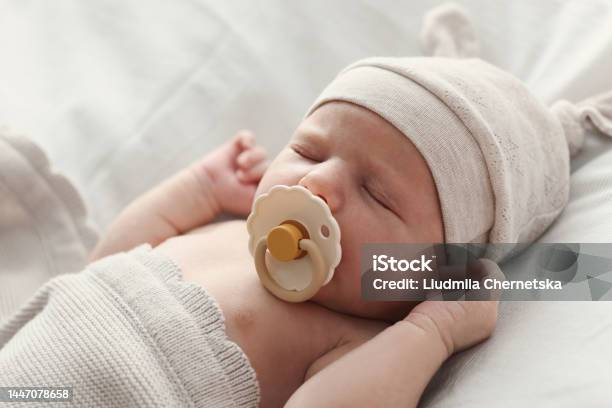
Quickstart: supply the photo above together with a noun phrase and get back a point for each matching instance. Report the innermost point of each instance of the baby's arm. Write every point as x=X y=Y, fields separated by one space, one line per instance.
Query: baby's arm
x=223 y=181
x=394 y=367
x=391 y=370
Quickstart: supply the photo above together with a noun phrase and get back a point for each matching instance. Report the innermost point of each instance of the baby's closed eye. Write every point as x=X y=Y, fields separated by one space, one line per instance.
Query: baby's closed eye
x=304 y=152
x=377 y=196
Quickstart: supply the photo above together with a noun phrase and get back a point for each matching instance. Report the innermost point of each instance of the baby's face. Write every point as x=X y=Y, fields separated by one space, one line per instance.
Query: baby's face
x=376 y=184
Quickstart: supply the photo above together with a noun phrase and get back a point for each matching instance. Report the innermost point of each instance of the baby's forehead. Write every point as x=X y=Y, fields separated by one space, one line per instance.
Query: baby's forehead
x=374 y=142
x=347 y=123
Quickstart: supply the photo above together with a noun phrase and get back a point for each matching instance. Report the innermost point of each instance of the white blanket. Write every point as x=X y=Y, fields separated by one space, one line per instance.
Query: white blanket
x=44 y=230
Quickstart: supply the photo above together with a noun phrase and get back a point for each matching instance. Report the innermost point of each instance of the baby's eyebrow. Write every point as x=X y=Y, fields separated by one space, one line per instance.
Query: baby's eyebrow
x=313 y=136
x=312 y=133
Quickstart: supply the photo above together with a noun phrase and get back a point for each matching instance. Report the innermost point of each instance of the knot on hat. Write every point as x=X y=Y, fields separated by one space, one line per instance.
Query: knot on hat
x=593 y=114
x=448 y=31
x=569 y=117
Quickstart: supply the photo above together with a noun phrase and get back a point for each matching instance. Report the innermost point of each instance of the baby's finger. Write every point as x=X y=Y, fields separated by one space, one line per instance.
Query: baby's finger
x=252 y=174
x=245 y=139
x=493 y=271
x=485 y=269
x=252 y=157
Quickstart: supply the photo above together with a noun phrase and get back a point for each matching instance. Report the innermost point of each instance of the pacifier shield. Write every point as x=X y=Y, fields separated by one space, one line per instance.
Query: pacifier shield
x=294 y=213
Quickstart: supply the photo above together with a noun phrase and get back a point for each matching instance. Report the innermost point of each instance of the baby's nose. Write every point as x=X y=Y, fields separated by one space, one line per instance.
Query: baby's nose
x=328 y=190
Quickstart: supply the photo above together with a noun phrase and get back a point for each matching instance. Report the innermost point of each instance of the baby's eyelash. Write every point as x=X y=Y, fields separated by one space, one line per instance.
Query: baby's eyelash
x=300 y=151
x=375 y=197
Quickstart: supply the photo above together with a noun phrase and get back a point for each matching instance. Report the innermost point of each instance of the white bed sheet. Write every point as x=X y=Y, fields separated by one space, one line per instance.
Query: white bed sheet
x=121 y=93
x=546 y=354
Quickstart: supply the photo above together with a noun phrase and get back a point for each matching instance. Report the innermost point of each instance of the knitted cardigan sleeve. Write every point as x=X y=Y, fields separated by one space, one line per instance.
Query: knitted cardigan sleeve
x=127 y=331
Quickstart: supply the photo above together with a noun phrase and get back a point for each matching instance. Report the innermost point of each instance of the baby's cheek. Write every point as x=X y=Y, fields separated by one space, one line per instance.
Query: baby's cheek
x=278 y=173
x=350 y=264
x=361 y=227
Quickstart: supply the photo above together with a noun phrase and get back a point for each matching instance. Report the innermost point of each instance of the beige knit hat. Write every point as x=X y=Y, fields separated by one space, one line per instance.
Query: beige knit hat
x=498 y=156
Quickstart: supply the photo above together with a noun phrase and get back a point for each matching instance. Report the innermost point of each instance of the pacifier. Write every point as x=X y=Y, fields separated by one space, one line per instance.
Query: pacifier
x=295 y=242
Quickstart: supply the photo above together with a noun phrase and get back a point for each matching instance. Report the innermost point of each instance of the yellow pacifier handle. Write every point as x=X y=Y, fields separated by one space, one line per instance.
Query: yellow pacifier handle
x=318 y=273
x=284 y=242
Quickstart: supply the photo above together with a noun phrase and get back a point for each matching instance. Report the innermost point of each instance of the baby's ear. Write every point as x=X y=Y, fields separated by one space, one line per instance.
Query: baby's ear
x=448 y=32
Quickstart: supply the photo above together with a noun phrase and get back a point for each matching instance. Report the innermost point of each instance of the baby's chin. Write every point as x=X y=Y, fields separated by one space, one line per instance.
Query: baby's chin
x=347 y=302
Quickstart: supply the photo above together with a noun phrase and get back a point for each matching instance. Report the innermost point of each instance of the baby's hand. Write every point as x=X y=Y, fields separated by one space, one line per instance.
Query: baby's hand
x=224 y=180
x=461 y=324
x=402 y=359
x=234 y=170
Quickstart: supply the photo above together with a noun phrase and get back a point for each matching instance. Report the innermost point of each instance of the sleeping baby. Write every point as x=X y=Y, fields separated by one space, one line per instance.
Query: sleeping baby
x=409 y=150
x=412 y=150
